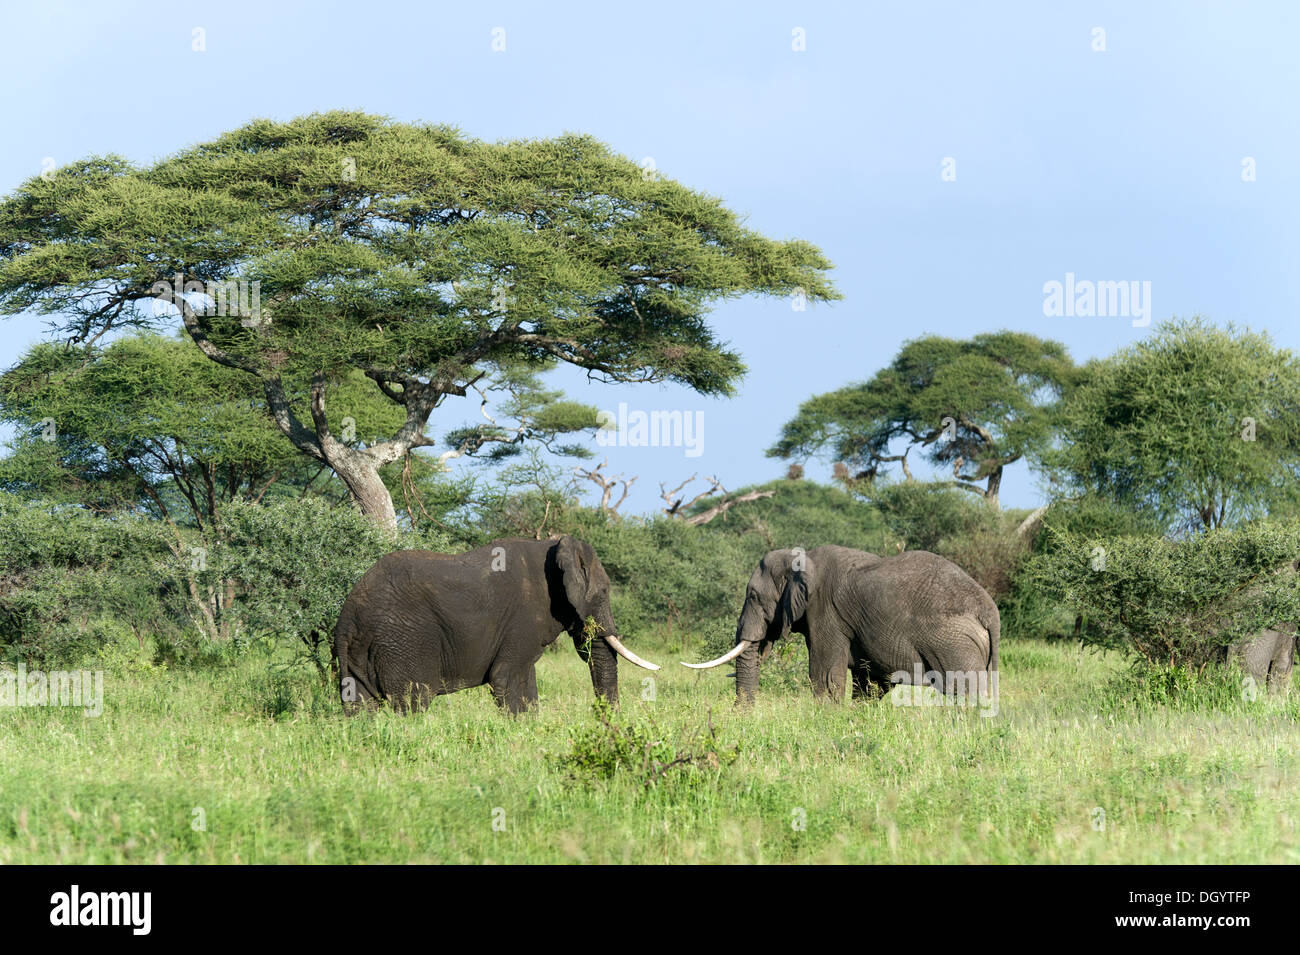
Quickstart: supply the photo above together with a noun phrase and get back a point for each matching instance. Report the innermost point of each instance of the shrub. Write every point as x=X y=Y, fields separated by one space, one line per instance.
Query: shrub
x=296 y=561
x=644 y=751
x=70 y=581
x=1027 y=607
x=978 y=538
x=668 y=578
x=1173 y=603
x=923 y=515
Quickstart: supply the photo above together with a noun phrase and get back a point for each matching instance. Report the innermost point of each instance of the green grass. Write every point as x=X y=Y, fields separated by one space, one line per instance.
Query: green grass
x=281 y=776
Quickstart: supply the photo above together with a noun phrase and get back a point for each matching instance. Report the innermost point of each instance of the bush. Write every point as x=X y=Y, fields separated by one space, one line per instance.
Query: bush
x=645 y=752
x=1168 y=603
x=72 y=581
x=295 y=562
x=978 y=538
x=924 y=515
x=1027 y=608
x=669 y=579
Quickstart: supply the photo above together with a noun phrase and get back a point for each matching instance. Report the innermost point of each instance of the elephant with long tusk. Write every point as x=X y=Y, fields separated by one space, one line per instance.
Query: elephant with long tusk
x=911 y=618
x=419 y=624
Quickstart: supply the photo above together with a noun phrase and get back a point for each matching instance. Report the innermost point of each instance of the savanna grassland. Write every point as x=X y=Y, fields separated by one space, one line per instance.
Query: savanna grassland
x=256 y=764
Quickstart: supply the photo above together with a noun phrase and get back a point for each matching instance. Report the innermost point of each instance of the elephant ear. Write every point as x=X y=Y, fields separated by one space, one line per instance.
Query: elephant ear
x=573 y=571
x=794 y=599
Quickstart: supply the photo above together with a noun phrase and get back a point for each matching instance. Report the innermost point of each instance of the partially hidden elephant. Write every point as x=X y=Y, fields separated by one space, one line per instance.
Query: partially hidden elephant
x=420 y=624
x=1267 y=656
x=910 y=618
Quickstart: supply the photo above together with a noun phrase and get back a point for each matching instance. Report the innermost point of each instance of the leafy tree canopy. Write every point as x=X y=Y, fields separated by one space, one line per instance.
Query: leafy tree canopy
x=149 y=424
x=974 y=406
x=411 y=253
x=1197 y=425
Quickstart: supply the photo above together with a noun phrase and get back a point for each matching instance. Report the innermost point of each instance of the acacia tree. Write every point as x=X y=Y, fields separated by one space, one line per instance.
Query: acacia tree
x=148 y=424
x=974 y=406
x=1197 y=426
x=416 y=255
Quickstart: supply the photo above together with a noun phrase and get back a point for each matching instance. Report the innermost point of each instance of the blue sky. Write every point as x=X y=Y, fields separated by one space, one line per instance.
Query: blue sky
x=1117 y=165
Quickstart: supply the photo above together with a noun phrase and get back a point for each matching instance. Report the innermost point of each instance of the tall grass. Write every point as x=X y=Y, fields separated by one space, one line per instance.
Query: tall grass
x=253 y=764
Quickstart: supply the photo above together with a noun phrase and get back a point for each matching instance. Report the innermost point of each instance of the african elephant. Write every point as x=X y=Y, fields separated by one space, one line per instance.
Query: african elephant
x=419 y=624
x=911 y=618
x=1267 y=656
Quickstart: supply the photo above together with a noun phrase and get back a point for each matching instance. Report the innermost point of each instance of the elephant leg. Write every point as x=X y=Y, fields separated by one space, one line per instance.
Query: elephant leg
x=861 y=685
x=413 y=697
x=870 y=682
x=404 y=688
x=1279 y=673
x=828 y=664
x=514 y=687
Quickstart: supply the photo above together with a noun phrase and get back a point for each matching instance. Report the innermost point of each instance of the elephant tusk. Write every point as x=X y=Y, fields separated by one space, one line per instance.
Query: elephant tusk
x=626 y=654
x=727 y=657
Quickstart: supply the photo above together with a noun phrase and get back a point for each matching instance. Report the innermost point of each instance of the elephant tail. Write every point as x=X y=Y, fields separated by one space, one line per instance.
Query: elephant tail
x=993 y=624
x=343 y=634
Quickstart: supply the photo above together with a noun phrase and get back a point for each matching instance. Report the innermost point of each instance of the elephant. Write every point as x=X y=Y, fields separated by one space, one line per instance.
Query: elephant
x=910 y=618
x=1267 y=656
x=419 y=624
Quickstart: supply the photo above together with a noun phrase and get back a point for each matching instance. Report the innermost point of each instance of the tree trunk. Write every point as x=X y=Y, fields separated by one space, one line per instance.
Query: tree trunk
x=361 y=475
x=995 y=482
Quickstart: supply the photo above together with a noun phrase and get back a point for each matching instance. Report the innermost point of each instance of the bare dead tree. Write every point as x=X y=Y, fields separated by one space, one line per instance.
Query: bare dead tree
x=678 y=506
x=607 y=483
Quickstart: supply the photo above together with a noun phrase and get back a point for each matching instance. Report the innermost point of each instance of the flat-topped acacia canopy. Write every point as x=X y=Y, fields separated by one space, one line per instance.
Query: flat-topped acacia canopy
x=408 y=251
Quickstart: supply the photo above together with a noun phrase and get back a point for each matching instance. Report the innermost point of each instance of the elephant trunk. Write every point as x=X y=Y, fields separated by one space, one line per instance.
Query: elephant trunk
x=601 y=650
x=753 y=638
x=604 y=669
x=747 y=668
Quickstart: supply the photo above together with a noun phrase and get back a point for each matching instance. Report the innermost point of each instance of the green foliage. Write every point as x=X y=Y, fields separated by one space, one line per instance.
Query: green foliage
x=669 y=578
x=71 y=583
x=537 y=414
x=923 y=515
x=1173 y=603
x=798 y=514
x=672 y=579
x=1161 y=426
x=977 y=537
x=1091 y=517
x=149 y=424
x=295 y=563
x=1029 y=610
x=408 y=252
x=1000 y=390
x=640 y=748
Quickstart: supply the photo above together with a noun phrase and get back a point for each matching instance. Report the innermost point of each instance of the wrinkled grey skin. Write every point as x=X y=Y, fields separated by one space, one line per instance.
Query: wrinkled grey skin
x=420 y=624
x=1267 y=657
x=874 y=615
